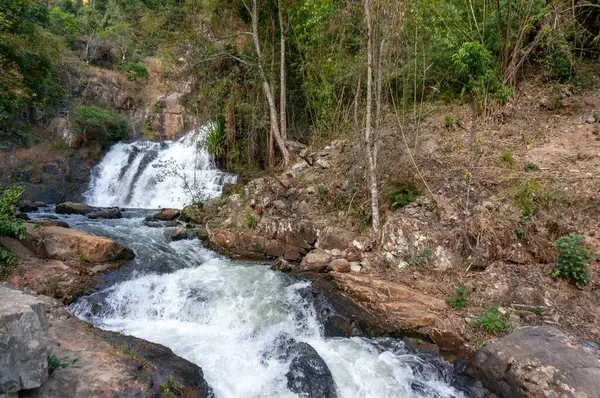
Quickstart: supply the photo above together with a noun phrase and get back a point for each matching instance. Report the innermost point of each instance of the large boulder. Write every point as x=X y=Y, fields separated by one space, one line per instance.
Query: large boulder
x=107 y=214
x=536 y=362
x=165 y=215
x=71 y=244
x=308 y=374
x=179 y=234
x=335 y=238
x=315 y=261
x=74 y=208
x=24 y=342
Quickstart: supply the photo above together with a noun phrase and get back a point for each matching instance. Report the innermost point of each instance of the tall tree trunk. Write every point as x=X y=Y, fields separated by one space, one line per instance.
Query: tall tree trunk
x=282 y=77
x=369 y=139
x=268 y=89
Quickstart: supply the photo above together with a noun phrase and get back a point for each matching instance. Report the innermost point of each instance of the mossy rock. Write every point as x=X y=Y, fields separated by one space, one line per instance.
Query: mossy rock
x=193 y=213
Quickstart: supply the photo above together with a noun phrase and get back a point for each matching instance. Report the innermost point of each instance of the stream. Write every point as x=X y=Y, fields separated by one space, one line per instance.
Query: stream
x=228 y=317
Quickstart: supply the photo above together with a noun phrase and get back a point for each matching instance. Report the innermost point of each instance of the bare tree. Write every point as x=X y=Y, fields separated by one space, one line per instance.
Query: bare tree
x=267 y=86
x=282 y=75
x=372 y=136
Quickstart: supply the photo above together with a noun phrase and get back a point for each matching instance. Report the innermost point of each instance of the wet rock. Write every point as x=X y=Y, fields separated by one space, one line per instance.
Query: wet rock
x=315 y=261
x=308 y=375
x=27 y=206
x=282 y=265
x=51 y=223
x=74 y=208
x=22 y=216
x=107 y=214
x=536 y=362
x=164 y=215
x=192 y=213
x=24 y=342
x=179 y=234
x=71 y=244
x=202 y=234
x=339 y=265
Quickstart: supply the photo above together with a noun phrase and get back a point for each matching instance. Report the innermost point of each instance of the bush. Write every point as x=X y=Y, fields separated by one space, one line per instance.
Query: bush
x=402 y=197
x=95 y=123
x=507 y=159
x=460 y=297
x=9 y=226
x=573 y=258
x=529 y=196
x=134 y=70
x=529 y=167
x=492 y=321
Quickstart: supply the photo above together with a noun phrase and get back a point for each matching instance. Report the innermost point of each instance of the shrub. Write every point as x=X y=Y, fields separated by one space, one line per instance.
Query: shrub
x=529 y=196
x=95 y=123
x=250 y=219
x=573 y=258
x=402 y=197
x=134 y=70
x=322 y=191
x=9 y=226
x=60 y=363
x=215 y=141
x=506 y=159
x=460 y=297
x=529 y=167
x=419 y=258
x=492 y=321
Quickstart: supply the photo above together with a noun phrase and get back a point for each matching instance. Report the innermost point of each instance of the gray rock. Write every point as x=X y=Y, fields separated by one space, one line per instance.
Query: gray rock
x=108 y=214
x=179 y=234
x=322 y=163
x=536 y=362
x=282 y=265
x=279 y=204
x=24 y=342
x=317 y=261
x=74 y=208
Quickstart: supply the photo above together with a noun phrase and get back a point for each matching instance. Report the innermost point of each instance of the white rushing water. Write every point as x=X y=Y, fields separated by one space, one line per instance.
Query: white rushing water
x=146 y=174
x=225 y=316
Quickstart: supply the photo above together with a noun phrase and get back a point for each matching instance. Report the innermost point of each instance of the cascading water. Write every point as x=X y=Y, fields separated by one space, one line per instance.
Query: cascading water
x=145 y=174
x=228 y=317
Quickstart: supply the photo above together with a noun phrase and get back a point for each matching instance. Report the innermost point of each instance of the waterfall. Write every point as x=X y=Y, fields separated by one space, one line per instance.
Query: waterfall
x=145 y=174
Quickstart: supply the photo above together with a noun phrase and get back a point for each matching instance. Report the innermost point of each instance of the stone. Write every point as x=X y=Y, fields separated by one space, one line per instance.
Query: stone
x=442 y=259
x=107 y=214
x=299 y=167
x=335 y=238
x=315 y=261
x=311 y=190
x=74 y=208
x=304 y=207
x=51 y=223
x=282 y=265
x=324 y=164
x=27 y=206
x=280 y=204
x=535 y=362
x=164 y=215
x=24 y=341
x=179 y=234
x=339 y=265
x=71 y=244
x=202 y=234
x=355 y=267
x=304 y=153
x=336 y=252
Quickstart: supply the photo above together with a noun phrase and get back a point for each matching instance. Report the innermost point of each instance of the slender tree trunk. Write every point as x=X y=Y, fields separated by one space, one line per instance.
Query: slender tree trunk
x=268 y=89
x=282 y=77
x=369 y=139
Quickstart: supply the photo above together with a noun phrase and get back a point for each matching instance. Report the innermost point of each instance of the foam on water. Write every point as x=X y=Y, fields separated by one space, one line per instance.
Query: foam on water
x=145 y=174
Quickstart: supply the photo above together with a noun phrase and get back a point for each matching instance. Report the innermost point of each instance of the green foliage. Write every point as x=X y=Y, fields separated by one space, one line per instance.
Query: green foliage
x=134 y=70
x=506 y=159
x=55 y=363
x=402 y=196
x=530 y=195
x=460 y=297
x=100 y=124
x=9 y=224
x=322 y=191
x=420 y=257
x=530 y=167
x=250 y=219
x=215 y=141
x=573 y=258
x=492 y=321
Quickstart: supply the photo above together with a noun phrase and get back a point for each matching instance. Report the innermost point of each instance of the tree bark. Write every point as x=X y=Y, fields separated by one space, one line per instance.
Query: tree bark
x=268 y=89
x=282 y=77
x=370 y=143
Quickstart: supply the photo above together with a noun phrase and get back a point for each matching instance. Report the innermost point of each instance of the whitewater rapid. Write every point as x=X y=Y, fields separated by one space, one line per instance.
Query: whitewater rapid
x=145 y=174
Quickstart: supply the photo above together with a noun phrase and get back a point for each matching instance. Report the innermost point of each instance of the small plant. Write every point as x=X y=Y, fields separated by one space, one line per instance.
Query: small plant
x=529 y=167
x=420 y=258
x=573 y=259
x=520 y=232
x=402 y=197
x=460 y=297
x=41 y=241
x=322 y=191
x=529 y=196
x=506 y=159
x=250 y=219
x=60 y=363
x=82 y=258
x=448 y=122
x=492 y=321
x=128 y=351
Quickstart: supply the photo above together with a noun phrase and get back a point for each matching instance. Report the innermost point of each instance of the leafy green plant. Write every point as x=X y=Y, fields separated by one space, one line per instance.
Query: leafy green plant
x=60 y=363
x=507 y=159
x=95 y=123
x=460 y=297
x=322 y=191
x=530 y=166
x=448 y=122
x=250 y=219
x=573 y=258
x=215 y=141
x=420 y=257
x=492 y=321
x=402 y=197
x=10 y=226
x=134 y=70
